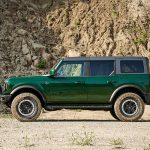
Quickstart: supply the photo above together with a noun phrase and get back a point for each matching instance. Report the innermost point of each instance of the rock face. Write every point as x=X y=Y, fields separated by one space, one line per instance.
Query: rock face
x=104 y=27
x=36 y=30
x=35 y=33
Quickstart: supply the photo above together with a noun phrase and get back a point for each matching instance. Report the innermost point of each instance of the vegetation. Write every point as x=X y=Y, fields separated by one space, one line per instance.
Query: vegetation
x=42 y=63
x=142 y=39
x=27 y=143
x=78 y=110
x=141 y=36
x=118 y=143
x=83 y=139
x=77 y=23
x=114 y=14
x=147 y=148
x=6 y=116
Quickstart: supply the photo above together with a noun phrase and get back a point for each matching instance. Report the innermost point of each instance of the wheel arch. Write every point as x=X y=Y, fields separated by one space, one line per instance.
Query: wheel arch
x=127 y=88
x=29 y=89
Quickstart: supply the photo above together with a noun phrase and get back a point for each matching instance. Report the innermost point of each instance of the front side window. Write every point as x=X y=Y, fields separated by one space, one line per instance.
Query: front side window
x=132 y=66
x=70 y=69
x=102 y=68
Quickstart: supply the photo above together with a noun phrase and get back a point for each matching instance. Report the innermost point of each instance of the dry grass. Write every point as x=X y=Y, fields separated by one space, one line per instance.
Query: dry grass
x=83 y=138
x=147 y=147
x=117 y=143
x=27 y=142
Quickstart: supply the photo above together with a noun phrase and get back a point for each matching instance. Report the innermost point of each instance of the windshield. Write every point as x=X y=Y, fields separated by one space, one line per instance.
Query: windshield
x=70 y=69
x=57 y=64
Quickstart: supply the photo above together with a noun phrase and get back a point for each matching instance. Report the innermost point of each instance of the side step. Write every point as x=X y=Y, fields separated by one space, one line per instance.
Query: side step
x=88 y=107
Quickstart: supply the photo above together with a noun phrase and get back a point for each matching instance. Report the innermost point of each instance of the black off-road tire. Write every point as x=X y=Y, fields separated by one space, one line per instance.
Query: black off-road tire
x=130 y=98
x=112 y=112
x=16 y=104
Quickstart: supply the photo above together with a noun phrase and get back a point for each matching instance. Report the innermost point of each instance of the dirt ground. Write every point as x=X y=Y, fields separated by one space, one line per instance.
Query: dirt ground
x=75 y=130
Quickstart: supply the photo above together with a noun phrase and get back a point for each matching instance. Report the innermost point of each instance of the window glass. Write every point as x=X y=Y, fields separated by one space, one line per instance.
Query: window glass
x=102 y=68
x=132 y=66
x=70 y=69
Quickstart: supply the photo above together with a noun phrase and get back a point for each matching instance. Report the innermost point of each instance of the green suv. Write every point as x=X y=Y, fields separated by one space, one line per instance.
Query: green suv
x=120 y=85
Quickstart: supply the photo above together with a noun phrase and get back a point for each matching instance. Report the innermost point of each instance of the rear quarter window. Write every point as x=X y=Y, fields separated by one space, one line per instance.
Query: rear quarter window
x=132 y=66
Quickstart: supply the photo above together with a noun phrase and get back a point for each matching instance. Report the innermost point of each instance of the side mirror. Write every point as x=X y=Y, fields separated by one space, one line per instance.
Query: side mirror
x=52 y=72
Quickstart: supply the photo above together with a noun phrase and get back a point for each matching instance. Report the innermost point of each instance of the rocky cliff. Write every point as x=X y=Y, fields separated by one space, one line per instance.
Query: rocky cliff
x=35 y=33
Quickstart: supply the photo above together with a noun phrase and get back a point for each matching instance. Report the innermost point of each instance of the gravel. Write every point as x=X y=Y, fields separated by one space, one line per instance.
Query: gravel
x=69 y=129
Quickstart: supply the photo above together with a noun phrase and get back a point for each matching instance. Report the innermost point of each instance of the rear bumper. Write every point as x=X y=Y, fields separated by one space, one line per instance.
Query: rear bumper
x=5 y=98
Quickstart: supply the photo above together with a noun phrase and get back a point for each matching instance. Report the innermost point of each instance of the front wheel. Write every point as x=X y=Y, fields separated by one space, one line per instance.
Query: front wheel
x=129 y=107
x=26 y=107
x=112 y=112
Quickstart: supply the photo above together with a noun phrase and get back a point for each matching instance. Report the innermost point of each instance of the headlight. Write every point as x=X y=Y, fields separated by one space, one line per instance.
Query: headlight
x=4 y=86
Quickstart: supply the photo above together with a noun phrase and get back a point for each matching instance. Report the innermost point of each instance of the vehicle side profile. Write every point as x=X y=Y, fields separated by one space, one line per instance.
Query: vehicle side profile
x=120 y=85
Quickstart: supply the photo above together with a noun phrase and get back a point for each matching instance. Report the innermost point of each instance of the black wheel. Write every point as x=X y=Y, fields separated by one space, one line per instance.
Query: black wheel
x=112 y=112
x=26 y=107
x=129 y=107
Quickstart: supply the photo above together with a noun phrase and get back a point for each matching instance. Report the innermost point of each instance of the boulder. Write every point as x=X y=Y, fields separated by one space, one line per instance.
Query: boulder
x=72 y=53
x=25 y=49
x=38 y=46
x=22 y=32
x=28 y=58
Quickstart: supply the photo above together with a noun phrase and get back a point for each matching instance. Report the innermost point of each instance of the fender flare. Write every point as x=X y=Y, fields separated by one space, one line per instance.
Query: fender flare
x=122 y=87
x=28 y=87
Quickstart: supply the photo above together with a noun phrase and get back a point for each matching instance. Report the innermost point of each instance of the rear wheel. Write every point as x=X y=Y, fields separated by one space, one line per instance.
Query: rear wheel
x=26 y=107
x=129 y=107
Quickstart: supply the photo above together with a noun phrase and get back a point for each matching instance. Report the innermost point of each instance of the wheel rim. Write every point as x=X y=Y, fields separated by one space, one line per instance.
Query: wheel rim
x=129 y=107
x=26 y=108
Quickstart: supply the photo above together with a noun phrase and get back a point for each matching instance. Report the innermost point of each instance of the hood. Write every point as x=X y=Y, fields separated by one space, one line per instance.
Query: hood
x=26 y=80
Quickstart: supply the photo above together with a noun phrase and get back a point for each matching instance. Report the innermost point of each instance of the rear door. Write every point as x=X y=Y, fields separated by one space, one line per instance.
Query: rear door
x=102 y=81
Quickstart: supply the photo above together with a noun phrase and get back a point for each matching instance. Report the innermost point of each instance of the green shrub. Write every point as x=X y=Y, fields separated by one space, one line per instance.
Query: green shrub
x=77 y=23
x=142 y=39
x=42 y=63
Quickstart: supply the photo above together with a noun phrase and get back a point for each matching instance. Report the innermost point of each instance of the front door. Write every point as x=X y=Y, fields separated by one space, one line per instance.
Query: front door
x=68 y=86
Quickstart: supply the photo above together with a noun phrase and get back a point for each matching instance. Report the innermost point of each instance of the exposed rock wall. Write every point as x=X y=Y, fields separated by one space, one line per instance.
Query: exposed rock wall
x=35 y=33
x=104 y=27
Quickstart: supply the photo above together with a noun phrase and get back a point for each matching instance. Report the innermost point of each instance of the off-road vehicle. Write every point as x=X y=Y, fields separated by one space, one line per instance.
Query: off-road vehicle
x=120 y=85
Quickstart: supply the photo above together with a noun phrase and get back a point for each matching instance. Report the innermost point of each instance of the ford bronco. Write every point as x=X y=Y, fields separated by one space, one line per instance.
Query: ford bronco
x=120 y=85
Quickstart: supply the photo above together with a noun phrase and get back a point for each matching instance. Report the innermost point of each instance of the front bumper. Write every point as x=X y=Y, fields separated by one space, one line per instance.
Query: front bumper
x=5 y=98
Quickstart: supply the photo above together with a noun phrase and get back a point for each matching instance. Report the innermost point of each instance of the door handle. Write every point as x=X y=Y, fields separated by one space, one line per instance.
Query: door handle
x=111 y=82
x=79 y=82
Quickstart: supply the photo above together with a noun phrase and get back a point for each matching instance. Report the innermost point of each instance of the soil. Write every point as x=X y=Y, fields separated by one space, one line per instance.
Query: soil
x=60 y=129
